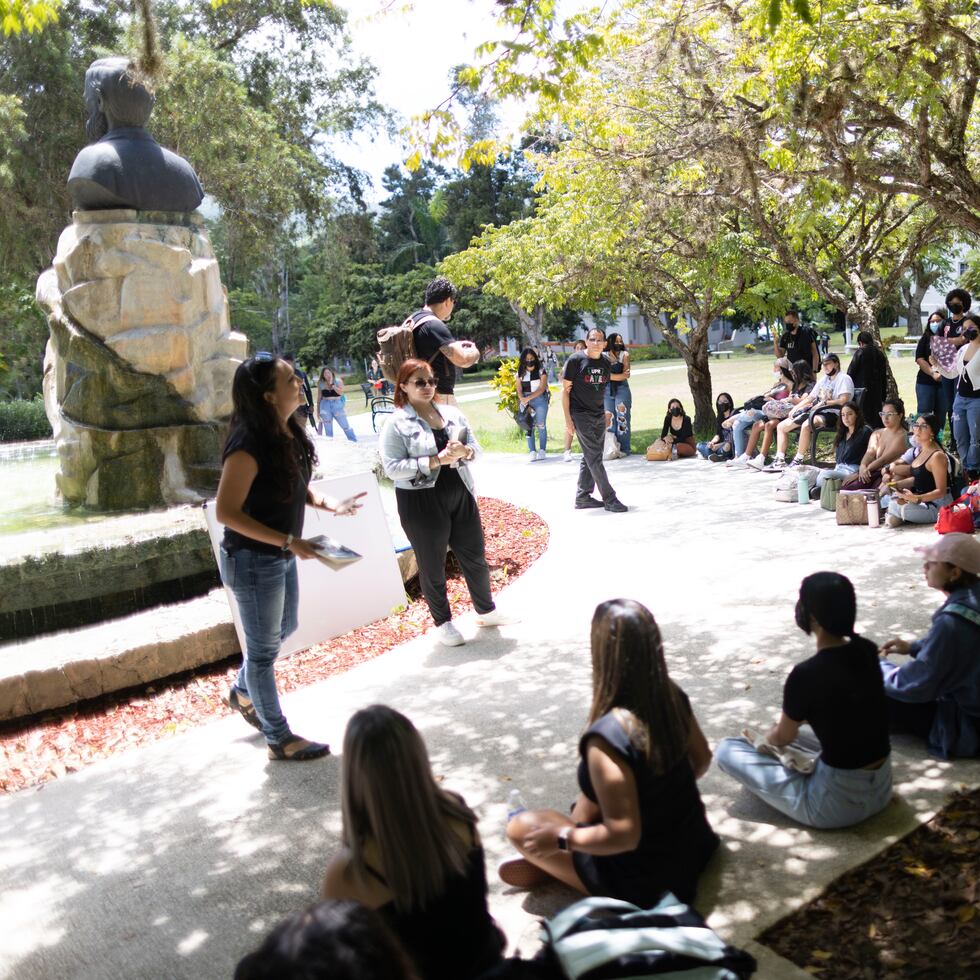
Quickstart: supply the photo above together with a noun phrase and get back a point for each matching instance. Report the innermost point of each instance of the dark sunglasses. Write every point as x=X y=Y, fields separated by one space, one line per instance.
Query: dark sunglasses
x=424 y=382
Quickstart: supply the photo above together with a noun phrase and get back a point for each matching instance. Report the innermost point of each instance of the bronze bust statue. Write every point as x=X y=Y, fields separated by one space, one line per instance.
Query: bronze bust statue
x=124 y=166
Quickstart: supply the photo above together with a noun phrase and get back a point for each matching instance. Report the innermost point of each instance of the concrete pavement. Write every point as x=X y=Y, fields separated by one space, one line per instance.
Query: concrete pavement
x=173 y=860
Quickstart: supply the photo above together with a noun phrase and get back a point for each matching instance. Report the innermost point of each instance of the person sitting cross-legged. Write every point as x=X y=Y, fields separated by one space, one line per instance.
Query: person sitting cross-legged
x=936 y=694
x=719 y=448
x=839 y=693
x=638 y=827
x=917 y=498
x=823 y=404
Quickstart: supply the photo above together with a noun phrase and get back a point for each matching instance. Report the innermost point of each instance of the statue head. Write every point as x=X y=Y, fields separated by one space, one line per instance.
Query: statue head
x=114 y=97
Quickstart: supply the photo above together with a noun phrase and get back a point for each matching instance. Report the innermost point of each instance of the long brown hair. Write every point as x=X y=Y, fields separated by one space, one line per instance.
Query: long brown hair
x=388 y=796
x=629 y=676
x=405 y=372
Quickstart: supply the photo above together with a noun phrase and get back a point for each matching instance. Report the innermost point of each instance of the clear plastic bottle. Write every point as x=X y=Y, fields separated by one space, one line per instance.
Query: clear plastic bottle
x=515 y=804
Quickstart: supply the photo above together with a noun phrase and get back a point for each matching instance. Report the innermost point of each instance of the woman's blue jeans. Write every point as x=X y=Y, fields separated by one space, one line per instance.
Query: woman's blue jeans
x=539 y=422
x=333 y=408
x=266 y=589
x=840 y=472
x=743 y=426
x=966 y=431
x=620 y=406
x=929 y=399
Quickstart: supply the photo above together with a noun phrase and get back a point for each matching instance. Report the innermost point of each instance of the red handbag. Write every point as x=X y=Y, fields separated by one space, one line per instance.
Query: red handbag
x=956 y=517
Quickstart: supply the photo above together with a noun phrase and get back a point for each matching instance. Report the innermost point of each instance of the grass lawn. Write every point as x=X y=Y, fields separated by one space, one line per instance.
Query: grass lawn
x=653 y=383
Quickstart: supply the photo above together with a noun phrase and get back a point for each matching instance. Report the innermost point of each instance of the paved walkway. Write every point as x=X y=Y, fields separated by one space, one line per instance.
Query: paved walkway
x=173 y=860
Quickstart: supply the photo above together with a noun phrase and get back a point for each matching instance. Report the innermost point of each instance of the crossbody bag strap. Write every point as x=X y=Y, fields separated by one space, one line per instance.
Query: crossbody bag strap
x=965 y=612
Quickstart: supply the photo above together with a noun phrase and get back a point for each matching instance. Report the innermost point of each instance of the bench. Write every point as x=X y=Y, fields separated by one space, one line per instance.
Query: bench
x=896 y=350
x=721 y=353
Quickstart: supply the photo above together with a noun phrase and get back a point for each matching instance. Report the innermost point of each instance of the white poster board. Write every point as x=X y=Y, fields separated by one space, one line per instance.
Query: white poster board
x=333 y=602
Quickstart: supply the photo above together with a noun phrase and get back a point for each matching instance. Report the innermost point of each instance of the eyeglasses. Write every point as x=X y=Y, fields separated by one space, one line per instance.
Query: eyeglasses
x=920 y=425
x=887 y=415
x=424 y=382
x=263 y=355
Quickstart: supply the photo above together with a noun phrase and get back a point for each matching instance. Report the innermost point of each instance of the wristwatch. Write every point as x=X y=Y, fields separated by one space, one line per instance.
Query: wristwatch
x=564 y=844
x=289 y=541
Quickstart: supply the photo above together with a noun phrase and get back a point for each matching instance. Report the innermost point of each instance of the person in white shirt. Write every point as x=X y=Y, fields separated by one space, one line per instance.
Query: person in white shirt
x=833 y=389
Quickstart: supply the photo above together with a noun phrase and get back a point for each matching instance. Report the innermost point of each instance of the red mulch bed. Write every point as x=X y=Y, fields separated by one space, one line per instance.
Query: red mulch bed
x=50 y=745
x=912 y=911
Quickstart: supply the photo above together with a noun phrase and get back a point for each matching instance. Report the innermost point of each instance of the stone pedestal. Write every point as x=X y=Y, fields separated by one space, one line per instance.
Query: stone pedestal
x=138 y=370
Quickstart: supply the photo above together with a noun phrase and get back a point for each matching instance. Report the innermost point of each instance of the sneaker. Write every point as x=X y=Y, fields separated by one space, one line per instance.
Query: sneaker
x=778 y=463
x=567 y=456
x=616 y=506
x=496 y=618
x=520 y=873
x=449 y=636
x=585 y=503
x=756 y=462
x=797 y=461
x=717 y=457
x=542 y=454
x=532 y=456
x=892 y=521
x=739 y=461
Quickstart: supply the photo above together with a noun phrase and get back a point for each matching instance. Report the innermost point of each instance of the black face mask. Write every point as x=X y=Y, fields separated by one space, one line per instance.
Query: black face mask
x=970 y=334
x=724 y=407
x=801 y=616
x=675 y=411
x=956 y=307
x=618 y=348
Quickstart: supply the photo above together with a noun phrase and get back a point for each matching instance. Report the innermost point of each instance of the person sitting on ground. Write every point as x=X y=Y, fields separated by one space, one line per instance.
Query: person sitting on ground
x=567 y=457
x=839 y=693
x=869 y=370
x=803 y=382
x=936 y=694
x=966 y=404
x=886 y=446
x=411 y=850
x=719 y=448
x=328 y=941
x=741 y=422
x=823 y=404
x=638 y=827
x=533 y=399
x=850 y=445
x=917 y=498
x=678 y=431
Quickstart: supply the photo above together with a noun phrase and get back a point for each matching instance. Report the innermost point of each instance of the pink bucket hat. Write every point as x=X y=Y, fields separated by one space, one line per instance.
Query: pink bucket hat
x=961 y=550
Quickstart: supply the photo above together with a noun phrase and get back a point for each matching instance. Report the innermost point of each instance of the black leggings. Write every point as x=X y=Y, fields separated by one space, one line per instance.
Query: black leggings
x=446 y=516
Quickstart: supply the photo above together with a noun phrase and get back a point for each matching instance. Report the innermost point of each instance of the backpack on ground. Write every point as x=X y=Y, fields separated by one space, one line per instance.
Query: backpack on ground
x=396 y=345
x=787 y=486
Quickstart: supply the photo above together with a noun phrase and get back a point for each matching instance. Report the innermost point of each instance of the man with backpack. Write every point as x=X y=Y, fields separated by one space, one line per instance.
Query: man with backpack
x=435 y=344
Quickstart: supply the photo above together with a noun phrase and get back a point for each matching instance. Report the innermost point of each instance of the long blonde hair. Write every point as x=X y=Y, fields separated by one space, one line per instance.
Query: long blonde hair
x=388 y=796
x=629 y=676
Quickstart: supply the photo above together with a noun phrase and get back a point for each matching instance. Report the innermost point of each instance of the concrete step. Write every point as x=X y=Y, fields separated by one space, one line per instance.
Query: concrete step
x=63 y=668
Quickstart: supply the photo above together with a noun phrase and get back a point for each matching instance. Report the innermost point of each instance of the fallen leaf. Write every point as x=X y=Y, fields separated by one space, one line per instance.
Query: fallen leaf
x=966 y=913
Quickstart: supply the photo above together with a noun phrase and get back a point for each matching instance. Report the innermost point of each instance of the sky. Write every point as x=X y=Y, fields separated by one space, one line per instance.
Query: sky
x=413 y=45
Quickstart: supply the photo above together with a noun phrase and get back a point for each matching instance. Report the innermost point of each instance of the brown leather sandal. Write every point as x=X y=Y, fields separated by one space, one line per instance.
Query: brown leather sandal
x=244 y=707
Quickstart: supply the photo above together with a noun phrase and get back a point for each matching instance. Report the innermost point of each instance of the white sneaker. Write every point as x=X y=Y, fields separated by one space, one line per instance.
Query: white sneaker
x=778 y=462
x=739 y=461
x=532 y=456
x=542 y=454
x=756 y=462
x=449 y=636
x=496 y=618
x=567 y=457
x=797 y=461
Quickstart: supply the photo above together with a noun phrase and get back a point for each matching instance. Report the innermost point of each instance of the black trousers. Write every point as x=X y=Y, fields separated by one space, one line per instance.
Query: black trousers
x=591 y=432
x=446 y=516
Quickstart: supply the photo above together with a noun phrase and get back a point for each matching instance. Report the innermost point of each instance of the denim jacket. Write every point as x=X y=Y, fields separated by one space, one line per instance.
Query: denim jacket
x=407 y=442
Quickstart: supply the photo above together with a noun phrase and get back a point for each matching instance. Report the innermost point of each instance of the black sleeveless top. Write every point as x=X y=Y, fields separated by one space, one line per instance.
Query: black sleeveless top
x=676 y=840
x=454 y=937
x=922 y=479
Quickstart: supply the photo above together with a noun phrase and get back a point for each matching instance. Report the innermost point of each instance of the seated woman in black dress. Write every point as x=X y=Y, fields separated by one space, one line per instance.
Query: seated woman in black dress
x=638 y=827
x=411 y=850
x=678 y=430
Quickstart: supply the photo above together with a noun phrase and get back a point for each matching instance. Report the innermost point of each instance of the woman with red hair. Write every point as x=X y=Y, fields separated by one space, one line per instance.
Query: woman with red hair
x=425 y=449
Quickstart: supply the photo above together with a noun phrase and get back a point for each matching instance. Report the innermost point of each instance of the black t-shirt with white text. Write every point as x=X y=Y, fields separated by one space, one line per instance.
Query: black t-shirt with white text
x=428 y=339
x=588 y=376
x=799 y=346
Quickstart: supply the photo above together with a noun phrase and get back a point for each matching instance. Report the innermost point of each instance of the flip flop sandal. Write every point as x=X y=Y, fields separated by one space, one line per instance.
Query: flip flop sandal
x=521 y=873
x=244 y=707
x=296 y=749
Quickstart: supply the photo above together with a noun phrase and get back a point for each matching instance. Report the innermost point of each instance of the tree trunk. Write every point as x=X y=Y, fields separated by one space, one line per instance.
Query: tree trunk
x=913 y=293
x=865 y=312
x=532 y=324
x=699 y=375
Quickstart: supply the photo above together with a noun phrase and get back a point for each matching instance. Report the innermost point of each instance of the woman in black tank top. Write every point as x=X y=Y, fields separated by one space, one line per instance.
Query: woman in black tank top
x=412 y=851
x=917 y=499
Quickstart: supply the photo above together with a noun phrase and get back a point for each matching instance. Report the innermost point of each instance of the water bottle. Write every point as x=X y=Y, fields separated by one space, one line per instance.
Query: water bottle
x=874 y=514
x=802 y=490
x=515 y=804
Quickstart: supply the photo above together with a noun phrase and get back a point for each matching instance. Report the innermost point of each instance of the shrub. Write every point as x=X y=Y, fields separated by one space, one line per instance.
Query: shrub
x=652 y=352
x=504 y=382
x=22 y=420
x=750 y=348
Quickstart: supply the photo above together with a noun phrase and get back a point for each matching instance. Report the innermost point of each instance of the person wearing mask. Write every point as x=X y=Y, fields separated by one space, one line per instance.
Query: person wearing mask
x=435 y=345
x=567 y=457
x=618 y=399
x=869 y=370
x=678 y=431
x=966 y=405
x=958 y=302
x=839 y=693
x=917 y=498
x=798 y=343
x=411 y=850
x=886 y=445
x=533 y=399
x=824 y=343
x=929 y=394
x=823 y=404
x=638 y=827
x=583 y=392
x=330 y=404
x=740 y=423
x=719 y=448
x=803 y=382
x=936 y=694
x=262 y=498
x=425 y=450
x=850 y=445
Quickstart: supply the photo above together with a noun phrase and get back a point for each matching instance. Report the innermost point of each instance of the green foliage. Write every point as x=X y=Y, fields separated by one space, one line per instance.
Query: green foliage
x=652 y=352
x=23 y=421
x=25 y=332
x=505 y=384
x=29 y=15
